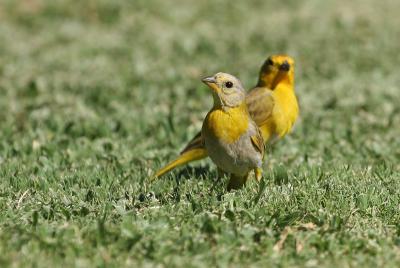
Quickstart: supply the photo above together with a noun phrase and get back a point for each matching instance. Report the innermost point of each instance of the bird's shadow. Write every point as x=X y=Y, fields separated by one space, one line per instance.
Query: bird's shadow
x=278 y=175
x=203 y=172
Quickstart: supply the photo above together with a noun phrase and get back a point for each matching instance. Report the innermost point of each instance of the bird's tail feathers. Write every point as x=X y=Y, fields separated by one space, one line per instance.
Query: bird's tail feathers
x=184 y=158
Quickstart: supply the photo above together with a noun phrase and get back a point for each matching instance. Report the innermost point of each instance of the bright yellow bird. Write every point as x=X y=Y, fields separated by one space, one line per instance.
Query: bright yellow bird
x=272 y=104
x=232 y=139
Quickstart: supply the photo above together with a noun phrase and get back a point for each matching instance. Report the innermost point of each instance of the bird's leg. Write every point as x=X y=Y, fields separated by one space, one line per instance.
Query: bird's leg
x=237 y=182
x=220 y=173
x=258 y=173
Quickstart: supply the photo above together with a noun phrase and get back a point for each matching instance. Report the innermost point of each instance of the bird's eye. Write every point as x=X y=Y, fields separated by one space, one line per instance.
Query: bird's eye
x=270 y=62
x=229 y=84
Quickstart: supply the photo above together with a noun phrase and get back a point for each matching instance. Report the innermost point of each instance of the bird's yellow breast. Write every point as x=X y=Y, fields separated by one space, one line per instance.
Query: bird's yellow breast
x=285 y=111
x=227 y=126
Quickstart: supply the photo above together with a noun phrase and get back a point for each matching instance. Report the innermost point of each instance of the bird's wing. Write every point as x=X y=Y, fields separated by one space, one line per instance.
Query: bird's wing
x=196 y=143
x=258 y=141
x=260 y=104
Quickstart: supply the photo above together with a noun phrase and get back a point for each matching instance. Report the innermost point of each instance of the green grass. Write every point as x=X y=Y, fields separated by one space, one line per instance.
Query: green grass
x=96 y=95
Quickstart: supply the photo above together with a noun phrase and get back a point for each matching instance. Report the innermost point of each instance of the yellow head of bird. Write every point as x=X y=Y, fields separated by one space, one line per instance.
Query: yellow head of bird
x=228 y=91
x=275 y=70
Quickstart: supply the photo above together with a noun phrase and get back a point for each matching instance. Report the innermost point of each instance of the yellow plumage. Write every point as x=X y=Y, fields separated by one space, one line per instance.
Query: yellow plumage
x=192 y=155
x=228 y=126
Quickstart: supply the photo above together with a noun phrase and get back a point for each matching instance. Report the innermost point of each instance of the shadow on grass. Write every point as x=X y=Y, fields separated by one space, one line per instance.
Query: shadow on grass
x=278 y=176
x=188 y=173
x=204 y=173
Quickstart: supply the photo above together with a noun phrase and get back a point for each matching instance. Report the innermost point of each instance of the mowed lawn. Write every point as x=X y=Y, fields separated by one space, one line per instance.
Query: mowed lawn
x=96 y=95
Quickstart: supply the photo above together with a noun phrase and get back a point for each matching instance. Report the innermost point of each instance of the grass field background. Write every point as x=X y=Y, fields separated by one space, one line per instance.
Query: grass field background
x=96 y=95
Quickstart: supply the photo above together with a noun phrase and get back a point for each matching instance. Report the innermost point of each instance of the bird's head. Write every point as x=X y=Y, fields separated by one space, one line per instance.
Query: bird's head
x=275 y=70
x=227 y=90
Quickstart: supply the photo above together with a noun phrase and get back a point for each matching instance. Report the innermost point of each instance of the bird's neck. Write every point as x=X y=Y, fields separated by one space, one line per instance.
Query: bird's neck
x=242 y=108
x=225 y=105
x=265 y=81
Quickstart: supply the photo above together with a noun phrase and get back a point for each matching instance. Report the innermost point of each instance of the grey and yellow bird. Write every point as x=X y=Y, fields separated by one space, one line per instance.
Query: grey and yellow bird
x=231 y=137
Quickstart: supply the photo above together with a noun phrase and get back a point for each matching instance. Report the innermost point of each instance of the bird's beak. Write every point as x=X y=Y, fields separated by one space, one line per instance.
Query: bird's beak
x=283 y=70
x=211 y=82
x=285 y=66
